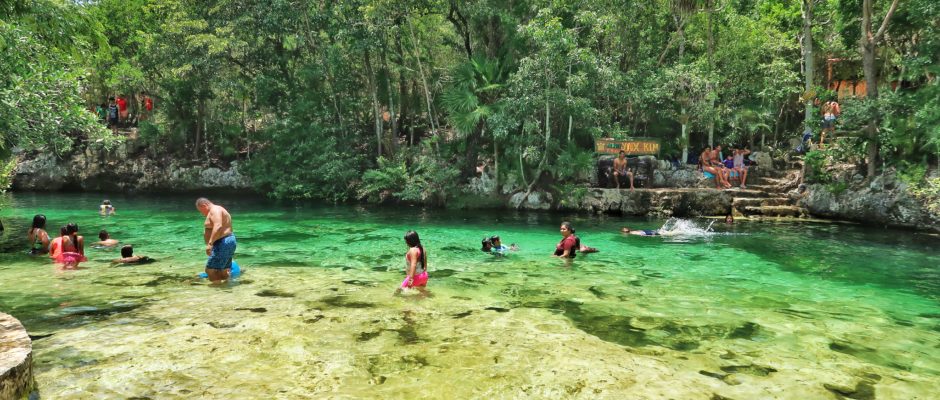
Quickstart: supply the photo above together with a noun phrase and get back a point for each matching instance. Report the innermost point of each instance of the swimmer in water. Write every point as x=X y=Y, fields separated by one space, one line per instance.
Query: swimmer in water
x=105 y=240
x=640 y=232
x=106 y=209
x=487 y=245
x=72 y=248
x=37 y=237
x=729 y=219
x=128 y=257
x=569 y=244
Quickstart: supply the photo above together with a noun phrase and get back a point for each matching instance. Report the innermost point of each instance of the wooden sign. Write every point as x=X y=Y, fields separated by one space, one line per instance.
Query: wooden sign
x=633 y=147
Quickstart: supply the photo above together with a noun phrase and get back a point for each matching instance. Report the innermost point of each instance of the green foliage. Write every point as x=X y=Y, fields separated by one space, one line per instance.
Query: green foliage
x=816 y=163
x=316 y=92
x=573 y=164
x=311 y=165
x=40 y=87
x=929 y=194
x=425 y=180
x=6 y=173
x=837 y=188
x=571 y=194
x=912 y=173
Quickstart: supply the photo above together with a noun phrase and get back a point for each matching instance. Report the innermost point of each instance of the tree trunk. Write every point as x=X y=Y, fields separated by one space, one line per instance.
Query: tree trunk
x=403 y=103
x=868 y=45
x=393 y=140
x=424 y=82
x=808 y=68
x=495 y=165
x=685 y=141
x=711 y=87
x=198 y=129
x=685 y=132
x=376 y=112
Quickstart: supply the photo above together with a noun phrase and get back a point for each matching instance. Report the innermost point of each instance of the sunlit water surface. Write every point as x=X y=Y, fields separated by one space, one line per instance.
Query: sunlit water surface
x=753 y=310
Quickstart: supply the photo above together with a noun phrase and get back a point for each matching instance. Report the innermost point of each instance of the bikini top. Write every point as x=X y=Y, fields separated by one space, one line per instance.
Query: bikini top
x=419 y=267
x=37 y=239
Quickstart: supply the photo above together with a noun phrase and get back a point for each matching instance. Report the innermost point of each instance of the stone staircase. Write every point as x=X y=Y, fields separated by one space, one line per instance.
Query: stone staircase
x=769 y=197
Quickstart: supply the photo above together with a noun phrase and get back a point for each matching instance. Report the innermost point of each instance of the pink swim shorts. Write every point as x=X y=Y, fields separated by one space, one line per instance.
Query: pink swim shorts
x=419 y=280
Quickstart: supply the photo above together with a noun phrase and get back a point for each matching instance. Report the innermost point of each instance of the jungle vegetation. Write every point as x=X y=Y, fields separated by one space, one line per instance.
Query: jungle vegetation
x=403 y=99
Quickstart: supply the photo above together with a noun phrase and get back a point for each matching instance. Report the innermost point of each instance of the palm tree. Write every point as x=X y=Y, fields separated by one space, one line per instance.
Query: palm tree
x=473 y=97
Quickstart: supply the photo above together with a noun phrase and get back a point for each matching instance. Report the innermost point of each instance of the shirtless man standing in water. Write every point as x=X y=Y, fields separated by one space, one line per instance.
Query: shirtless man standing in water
x=220 y=241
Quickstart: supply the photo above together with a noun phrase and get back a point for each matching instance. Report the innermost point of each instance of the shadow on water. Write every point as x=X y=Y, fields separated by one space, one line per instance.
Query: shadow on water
x=641 y=331
x=852 y=254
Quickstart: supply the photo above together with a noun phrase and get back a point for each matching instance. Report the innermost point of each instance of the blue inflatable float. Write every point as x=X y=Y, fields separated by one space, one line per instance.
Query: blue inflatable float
x=236 y=271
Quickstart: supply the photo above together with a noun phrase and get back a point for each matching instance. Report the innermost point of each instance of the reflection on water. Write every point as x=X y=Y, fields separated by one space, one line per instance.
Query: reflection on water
x=735 y=311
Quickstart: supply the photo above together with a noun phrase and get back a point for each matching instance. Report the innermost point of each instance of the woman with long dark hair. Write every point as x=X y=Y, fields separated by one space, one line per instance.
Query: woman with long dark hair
x=73 y=248
x=569 y=244
x=416 y=263
x=37 y=237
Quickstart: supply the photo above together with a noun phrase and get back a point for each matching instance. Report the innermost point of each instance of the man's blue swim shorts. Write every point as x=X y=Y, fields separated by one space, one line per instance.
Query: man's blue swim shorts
x=222 y=252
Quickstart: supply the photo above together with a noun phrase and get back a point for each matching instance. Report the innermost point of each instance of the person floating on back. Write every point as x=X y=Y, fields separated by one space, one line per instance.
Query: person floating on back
x=640 y=232
x=37 y=237
x=219 y=238
x=416 y=264
x=105 y=240
x=128 y=257
x=106 y=209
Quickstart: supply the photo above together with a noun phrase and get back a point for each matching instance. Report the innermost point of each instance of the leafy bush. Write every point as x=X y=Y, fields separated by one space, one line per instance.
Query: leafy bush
x=929 y=194
x=837 y=188
x=306 y=163
x=816 y=162
x=426 y=180
x=573 y=164
x=6 y=173
x=912 y=173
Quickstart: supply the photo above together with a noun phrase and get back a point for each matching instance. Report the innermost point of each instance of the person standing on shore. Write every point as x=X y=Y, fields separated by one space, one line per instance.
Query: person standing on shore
x=219 y=238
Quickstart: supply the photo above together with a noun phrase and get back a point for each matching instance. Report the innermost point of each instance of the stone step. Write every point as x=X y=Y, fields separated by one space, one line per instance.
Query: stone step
x=742 y=202
x=773 y=181
x=763 y=188
x=775 y=211
x=751 y=193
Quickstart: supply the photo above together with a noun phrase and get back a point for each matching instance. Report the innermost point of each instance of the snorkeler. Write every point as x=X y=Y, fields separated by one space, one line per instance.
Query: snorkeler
x=416 y=264
x=105 y=240
x=569 y=244
x=37 y=237
x=640 y=232
x=106 y=209
x=128 y=257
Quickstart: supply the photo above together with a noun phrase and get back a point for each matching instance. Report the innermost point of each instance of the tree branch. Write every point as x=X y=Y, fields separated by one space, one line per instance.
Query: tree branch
x=884 y=24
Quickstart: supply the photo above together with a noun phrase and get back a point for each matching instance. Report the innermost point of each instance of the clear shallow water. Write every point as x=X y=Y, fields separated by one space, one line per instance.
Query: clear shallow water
x=756 y=310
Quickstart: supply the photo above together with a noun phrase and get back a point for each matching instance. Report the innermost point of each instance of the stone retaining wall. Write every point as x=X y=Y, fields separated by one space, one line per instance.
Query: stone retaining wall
x=16 y=360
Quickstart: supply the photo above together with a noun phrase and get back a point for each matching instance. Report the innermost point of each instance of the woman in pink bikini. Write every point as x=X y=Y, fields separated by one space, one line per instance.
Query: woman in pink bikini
x=72 y=248
x=416 y=263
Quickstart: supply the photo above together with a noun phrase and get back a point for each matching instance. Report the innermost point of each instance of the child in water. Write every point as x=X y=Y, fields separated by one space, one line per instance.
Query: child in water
x=105 y=240
x=495 y=246
x=416 y=264
x=72 y=247
x=106 y=209
x=128 y=257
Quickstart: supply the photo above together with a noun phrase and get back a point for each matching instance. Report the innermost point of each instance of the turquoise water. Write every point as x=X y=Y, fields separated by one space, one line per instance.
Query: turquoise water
x=753 y=310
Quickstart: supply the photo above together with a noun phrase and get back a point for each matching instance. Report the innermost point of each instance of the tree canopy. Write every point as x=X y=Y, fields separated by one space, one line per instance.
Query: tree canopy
x=405 y=98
